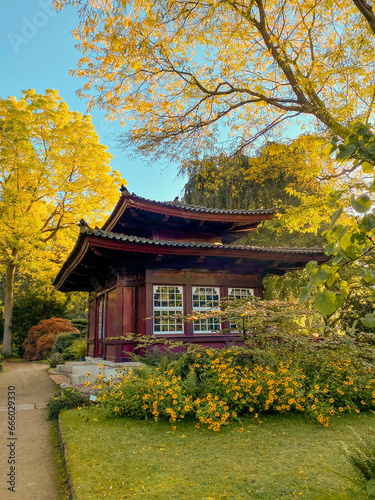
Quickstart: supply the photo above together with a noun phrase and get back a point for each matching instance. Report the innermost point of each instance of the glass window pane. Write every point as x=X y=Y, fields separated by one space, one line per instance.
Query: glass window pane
x=205 y=298
x=168 y=301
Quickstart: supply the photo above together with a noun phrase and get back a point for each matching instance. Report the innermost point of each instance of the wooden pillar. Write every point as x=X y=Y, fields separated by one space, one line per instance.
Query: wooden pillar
x=127 y=313
x=188 y=307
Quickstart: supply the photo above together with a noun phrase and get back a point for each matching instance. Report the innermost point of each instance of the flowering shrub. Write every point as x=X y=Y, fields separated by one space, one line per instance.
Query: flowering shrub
x=320 y=380
x=148 y=393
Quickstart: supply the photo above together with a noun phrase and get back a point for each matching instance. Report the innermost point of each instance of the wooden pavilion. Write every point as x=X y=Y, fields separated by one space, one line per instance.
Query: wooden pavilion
x=153 y=259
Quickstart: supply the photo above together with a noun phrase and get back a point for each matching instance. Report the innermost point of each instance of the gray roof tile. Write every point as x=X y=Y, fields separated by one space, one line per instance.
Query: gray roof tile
x=195 y=208
x=135 y=239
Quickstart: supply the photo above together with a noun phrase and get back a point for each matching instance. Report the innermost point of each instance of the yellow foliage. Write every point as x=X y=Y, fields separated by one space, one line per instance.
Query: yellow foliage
x=53 y=172
x=180 y=68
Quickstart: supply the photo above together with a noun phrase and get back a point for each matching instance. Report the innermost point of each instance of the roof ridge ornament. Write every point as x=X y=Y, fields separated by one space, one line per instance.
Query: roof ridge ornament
x=83 y=226
x=124 y=190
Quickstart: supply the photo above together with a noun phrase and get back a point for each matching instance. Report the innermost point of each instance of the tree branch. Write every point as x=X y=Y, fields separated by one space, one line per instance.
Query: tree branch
x=367 y=12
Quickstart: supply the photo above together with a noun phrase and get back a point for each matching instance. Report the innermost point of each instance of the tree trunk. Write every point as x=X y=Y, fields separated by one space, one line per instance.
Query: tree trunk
x=8 y=309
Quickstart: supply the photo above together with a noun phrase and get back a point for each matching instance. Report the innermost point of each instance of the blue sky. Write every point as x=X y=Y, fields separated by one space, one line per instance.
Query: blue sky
x=37 y=51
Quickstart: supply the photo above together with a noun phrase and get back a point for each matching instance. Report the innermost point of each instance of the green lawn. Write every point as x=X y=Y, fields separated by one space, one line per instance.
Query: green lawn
x=286 y=457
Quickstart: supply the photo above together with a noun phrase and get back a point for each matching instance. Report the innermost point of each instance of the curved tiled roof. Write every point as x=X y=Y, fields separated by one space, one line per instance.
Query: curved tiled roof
x=146 y=241
x=196 y=208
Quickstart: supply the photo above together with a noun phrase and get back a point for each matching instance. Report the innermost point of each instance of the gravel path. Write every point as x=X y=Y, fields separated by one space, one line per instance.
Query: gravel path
x=29 y=450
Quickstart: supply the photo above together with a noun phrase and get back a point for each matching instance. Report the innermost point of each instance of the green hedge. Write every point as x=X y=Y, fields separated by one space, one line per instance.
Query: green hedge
x=64 y=341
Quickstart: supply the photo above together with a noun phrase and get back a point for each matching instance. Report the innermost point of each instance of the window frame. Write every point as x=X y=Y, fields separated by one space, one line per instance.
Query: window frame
x=205 y=308
x=233 y=325
x=167 y=309
x=240 y=288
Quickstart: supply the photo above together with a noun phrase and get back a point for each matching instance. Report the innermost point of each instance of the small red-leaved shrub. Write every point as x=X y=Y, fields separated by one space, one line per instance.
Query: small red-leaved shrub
x=40 y=339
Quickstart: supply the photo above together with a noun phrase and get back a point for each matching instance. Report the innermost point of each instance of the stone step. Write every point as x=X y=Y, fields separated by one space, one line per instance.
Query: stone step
x=59 y=379
x=81 y=372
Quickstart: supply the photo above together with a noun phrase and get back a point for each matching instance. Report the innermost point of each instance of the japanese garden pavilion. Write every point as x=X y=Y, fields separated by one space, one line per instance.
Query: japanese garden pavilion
x=153 y=259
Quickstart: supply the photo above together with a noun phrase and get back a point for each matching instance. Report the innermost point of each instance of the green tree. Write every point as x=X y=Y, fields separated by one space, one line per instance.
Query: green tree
x=53 y=171
x=276 y=176
x=293 y=176
x=351 y=236
x=35 y=301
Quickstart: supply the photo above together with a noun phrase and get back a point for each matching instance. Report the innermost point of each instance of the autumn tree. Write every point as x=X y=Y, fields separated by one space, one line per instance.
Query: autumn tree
x=189 y=72
x=295 y=176
x=290 y=176
x=53 y=171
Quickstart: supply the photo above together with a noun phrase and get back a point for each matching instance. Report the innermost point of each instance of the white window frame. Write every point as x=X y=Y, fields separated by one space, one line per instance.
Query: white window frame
x=166 y=307
x=243 y=293
x=202 y=325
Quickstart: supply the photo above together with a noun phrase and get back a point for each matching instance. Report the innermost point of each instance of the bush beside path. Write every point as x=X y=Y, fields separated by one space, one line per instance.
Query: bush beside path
x=35 y=467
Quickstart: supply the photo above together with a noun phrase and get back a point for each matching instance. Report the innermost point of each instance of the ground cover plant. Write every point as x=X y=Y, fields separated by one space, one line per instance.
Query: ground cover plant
x=287 y=457
x=361 y=456
x=65 y=399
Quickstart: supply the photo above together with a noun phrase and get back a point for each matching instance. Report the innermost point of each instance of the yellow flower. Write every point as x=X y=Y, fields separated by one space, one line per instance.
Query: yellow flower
x=116 y=408
x=341 y=409
x=87 y=374
x=100 y=376
x=316 y=387
x=79 y=407
x=86 y=384
x=100 y=365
